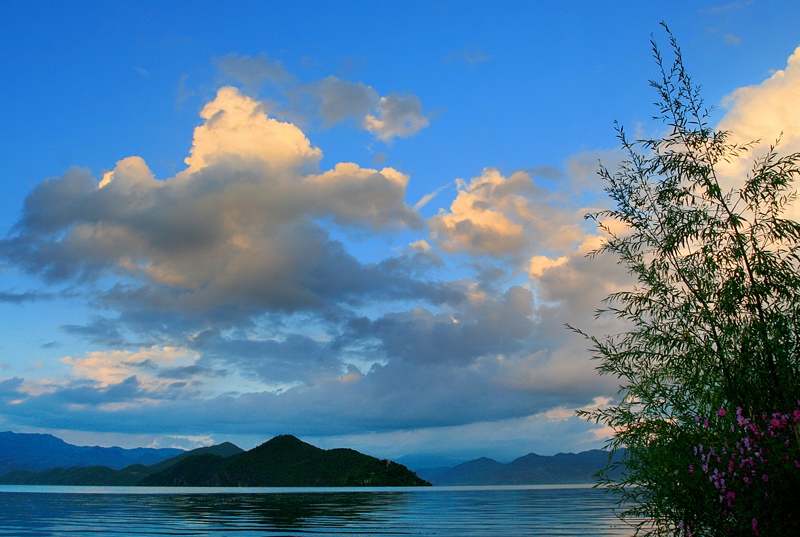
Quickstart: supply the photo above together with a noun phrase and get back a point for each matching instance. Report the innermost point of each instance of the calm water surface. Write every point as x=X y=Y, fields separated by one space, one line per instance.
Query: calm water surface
x=444 y=511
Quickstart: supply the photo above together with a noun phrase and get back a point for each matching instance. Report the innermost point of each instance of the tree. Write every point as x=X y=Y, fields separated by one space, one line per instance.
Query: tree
x=710 y=358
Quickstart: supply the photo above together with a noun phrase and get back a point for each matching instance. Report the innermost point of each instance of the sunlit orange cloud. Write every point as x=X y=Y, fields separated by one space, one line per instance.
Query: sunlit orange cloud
x=112 y=367
x=237 y=126
x=498 y=216
x=485 y=216
x=763 y=113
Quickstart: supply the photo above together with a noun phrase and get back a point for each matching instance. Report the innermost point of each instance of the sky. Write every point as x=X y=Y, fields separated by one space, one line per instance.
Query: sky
x=359 y=223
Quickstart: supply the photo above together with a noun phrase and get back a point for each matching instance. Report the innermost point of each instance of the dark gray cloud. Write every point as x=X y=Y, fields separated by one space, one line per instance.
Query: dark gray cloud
x=253 y=71
x=100 y=330
x=332 y=100
x=9 y=389
x=292 y=358
x=341 y=100
x=482 y=325
x=395 y=396
x=397 y=116
x=12 y=297
x=547 y=172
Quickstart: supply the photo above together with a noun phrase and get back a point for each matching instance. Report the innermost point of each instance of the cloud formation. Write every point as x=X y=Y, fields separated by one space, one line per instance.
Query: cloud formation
x=504 y=217
x=764 y=112
x=228 y=301
x=333 y=100
x=341 y=100
x=397 y=116
x=239 y=227
x=254 y=71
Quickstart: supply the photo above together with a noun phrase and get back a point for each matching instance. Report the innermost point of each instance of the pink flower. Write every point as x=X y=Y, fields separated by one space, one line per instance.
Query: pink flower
x=722 y=412
x=754 y=525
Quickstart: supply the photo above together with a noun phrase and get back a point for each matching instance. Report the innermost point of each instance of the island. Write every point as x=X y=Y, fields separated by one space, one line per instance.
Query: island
x=283 y=461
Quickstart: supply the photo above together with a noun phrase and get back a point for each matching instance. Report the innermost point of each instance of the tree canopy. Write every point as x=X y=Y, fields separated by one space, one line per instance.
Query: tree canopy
x=709 y=364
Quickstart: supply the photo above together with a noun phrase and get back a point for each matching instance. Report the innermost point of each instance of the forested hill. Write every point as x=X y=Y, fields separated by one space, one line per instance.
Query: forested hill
x=284 y=461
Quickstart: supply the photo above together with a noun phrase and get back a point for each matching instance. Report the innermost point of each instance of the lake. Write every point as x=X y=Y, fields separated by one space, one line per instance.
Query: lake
x=443 y=511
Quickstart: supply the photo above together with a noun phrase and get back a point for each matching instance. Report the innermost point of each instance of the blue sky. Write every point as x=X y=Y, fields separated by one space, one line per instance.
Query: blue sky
x=358 y=224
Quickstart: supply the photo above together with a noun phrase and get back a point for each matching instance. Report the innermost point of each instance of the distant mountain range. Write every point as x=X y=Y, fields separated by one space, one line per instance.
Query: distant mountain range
x=531 y=469
x=37 y=452
x=284 y=461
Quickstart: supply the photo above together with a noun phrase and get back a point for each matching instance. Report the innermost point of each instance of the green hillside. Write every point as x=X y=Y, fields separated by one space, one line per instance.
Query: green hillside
x=286 y=461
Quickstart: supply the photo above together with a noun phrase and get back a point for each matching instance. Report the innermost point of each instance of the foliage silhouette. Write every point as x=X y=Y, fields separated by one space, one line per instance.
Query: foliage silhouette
x=712 y=320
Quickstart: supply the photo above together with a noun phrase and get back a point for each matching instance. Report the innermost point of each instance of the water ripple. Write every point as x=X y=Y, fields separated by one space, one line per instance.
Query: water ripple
x=430 y=511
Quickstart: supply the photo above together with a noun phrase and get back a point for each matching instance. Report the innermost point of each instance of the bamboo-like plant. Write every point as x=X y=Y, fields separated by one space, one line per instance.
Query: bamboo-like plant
x=714 y=323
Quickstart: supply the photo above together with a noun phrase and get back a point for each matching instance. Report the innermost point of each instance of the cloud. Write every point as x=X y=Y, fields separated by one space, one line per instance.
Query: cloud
x=9 y=390
x=333 y=100
x=482 y=325
x=238 y=228
x=154 y=368
x=254 y=71
x=480 y=357
x=541 y=263
x=237 y=127
x=254 y=293
x=731 y=6
x=231 y=297
x=732 y=39
x=547 y=172
x=470 y=54
x=425 y=385
x=427 y=198
x=100 y=331
x=487 y=216
x=397 y=116
x=764 y=112
x=341 y=100
x=354 y=195
x=21 y=298
x=509 y=439
x=504 y=217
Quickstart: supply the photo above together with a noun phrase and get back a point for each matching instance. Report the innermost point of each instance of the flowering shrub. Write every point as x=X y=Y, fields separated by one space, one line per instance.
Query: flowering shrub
x=712 y=321
x=754 y=468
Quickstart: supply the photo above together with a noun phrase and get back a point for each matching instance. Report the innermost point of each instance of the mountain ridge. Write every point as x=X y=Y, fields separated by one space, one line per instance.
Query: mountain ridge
x=530 y=469
x=284 y=461
x=49 y=460
x=38 y=452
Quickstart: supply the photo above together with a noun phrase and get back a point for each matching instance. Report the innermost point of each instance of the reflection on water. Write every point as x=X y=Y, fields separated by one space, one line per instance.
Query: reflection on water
x=428 y=511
